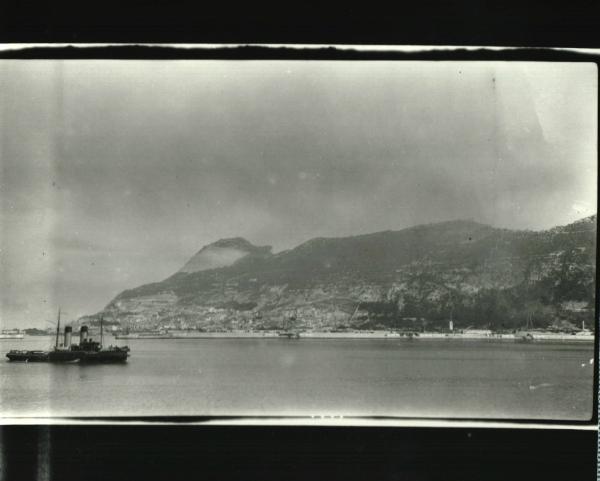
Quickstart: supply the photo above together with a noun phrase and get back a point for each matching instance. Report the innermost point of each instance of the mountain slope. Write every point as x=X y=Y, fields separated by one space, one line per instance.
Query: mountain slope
x=477 y=274
x=222 y=253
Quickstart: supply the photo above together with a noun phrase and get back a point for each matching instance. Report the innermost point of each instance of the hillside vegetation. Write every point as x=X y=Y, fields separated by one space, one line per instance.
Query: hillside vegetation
x=415 y=278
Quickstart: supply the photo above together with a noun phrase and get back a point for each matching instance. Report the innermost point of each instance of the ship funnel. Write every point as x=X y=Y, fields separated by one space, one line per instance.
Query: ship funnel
x=68 y=330
x=83 y=334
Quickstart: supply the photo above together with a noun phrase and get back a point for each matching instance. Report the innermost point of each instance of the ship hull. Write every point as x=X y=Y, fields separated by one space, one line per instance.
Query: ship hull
x=83 y=357
x=63 y=356
x=103 y=357
x=28 y=356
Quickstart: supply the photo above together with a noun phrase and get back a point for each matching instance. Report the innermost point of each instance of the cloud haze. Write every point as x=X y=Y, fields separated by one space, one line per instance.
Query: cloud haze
x=114 y=173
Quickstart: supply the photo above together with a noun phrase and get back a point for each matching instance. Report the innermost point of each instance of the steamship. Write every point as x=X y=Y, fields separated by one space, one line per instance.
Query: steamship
x=87 y=351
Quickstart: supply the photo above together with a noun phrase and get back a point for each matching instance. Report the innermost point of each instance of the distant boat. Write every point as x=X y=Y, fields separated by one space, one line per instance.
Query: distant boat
x=290 y=335
x=288 y=329
x=11 y=335
x=524 y=335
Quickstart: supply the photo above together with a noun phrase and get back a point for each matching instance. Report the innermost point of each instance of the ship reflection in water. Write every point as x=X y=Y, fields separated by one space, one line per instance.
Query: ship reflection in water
x=87 y=351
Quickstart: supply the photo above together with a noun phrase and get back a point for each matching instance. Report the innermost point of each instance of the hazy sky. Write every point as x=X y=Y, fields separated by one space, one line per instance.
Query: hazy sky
x=113 y=173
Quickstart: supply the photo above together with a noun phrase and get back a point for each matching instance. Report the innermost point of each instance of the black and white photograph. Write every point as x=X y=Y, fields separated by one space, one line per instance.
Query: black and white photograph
x=298 y=239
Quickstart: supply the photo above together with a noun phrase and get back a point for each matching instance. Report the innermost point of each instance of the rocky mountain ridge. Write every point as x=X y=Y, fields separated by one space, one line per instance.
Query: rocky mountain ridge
x=223 y=253
x=475 y=274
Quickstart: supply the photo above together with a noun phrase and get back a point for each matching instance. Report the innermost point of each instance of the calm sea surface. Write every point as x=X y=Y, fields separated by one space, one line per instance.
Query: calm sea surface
x=483 y=379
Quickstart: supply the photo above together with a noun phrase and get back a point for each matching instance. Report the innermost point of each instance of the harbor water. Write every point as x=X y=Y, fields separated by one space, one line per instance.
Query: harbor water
x=308 y=377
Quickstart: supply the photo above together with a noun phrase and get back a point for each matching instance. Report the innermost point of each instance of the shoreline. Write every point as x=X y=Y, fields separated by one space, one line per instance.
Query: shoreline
x=524 y=337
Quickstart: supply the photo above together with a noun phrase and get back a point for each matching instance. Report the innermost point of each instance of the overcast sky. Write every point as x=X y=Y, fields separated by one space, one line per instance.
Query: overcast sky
x=114 y=173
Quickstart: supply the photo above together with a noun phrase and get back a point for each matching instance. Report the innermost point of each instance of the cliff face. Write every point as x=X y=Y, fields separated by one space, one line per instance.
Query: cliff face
x=477 y=274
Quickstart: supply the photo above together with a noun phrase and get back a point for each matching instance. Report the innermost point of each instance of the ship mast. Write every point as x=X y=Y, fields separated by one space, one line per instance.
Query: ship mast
x=101 y=334
x=57 y=329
